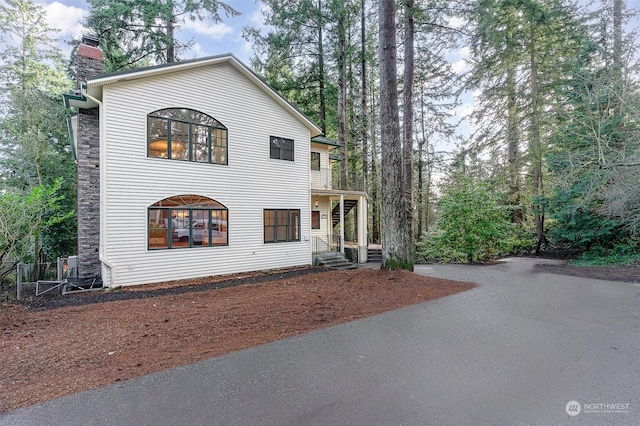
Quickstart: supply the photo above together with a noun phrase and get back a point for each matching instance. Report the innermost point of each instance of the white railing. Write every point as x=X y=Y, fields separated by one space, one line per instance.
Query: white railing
x=321 y=179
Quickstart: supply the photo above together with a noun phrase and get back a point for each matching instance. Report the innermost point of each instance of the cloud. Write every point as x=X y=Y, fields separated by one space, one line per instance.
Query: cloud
x=198 y=51
x=465 y=110
x=459 y=60
x=214 y=31
x=65 y=18
x=459 y=66
x=257 y=17
x=246 y=47
x=455 y=22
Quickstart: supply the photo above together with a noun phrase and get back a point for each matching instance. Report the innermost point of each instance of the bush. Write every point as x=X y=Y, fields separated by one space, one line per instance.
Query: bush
x=473 y=225
x=625 y=253
x=434 y=249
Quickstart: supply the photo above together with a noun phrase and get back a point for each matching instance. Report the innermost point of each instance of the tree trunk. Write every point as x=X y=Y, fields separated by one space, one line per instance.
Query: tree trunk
x=342 y=99
x=617 y=38
x=420 y=210
x=395 y=230
x=420 y=207
x=513 y=152
x=375 y=181
x=407 y=115
x=171 y=38
x=536 y=144
x=321 y=76
x=364 y=123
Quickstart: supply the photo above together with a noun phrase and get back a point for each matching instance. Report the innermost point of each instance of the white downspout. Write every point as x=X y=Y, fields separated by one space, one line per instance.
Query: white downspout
x=103 y=175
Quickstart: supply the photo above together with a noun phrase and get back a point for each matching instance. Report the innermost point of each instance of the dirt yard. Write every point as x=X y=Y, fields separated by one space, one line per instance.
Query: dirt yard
x=56 y=346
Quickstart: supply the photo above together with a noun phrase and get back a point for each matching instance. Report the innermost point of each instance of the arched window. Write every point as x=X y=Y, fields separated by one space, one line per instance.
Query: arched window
x=186 y=134
x=187 y=221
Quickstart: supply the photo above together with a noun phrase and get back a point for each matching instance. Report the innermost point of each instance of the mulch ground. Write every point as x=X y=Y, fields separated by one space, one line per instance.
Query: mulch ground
x=55 y=346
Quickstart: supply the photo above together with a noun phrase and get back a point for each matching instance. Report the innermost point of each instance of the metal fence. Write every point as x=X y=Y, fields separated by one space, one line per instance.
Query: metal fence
x=66 y=267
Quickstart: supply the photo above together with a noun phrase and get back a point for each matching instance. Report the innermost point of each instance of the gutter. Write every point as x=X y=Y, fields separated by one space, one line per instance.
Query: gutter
x=103 y=172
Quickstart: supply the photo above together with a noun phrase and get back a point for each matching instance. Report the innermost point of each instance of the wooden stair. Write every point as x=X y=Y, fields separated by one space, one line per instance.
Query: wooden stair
x=374 y=255
x=335 y=213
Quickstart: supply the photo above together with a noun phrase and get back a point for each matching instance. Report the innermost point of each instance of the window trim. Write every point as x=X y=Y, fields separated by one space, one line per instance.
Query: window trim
x=212 y=140
x=275 y=226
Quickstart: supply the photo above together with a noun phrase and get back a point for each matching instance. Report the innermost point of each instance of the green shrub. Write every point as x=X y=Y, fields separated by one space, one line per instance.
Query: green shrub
x=624 y=253
x=473 y=226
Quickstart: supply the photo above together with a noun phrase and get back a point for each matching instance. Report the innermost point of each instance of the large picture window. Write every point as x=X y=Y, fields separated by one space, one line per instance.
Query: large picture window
x=188 y=135
x=281 y=148
x=187 y=221
x=281 y=225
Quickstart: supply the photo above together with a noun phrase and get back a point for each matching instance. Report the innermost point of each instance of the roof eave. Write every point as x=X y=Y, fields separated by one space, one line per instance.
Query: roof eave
x=323 y=140
x=78 y=101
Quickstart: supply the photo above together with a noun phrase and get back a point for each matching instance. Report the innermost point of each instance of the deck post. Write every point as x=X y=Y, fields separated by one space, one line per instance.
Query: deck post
x=341 y=223
x=362 y=230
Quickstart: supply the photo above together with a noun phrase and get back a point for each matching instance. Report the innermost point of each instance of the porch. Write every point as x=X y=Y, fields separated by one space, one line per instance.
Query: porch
x=339 y=223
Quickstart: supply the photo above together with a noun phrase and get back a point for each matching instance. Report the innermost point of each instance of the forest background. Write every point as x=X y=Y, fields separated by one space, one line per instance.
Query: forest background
x=510 y=126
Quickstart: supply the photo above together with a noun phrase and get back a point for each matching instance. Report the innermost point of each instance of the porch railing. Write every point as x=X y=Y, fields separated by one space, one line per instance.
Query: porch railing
x=322 y=245
x=323 y=179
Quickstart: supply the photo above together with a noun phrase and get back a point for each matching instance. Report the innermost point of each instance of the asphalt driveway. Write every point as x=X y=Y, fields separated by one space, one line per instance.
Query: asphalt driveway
x=515 y=350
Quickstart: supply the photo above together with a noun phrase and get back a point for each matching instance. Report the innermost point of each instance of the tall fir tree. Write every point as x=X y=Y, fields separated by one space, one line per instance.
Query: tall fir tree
x=135 y=33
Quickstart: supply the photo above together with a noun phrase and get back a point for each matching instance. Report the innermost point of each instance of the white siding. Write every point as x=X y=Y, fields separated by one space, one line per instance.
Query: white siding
x=324 y=202
x=250 y=182
x=324 y=206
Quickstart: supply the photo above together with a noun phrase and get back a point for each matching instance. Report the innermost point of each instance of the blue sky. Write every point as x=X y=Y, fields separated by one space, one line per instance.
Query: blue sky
x=209 y=38
x=226 y=37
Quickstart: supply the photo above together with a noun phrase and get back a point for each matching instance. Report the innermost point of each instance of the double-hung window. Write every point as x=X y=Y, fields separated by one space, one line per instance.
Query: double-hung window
x=281 y=225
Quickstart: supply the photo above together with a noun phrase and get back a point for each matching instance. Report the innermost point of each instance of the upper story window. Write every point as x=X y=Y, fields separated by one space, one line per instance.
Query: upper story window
x=315 y=160
x=187 y=221
x=186 y=134
x=281 y=148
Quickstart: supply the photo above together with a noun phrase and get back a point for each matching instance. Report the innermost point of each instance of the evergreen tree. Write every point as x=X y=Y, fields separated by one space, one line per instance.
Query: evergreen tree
x=521 y=52
x=597 y=150
x=143 y=31
x=396 y=250
x=33 y=137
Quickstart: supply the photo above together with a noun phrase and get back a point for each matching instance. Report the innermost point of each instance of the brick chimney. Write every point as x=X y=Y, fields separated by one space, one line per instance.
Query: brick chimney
x=90 y=62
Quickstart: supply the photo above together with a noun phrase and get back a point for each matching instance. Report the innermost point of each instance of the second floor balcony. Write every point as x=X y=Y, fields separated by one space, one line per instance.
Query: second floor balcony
x=327 y=179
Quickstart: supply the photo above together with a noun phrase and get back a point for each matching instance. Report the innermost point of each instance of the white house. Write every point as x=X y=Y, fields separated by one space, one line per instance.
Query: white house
x=197 y=168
